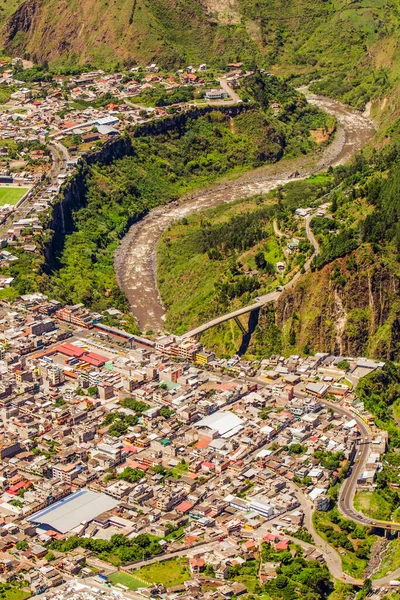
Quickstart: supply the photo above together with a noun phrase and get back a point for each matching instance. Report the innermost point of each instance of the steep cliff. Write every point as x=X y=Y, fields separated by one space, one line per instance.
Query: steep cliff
x=350 y=307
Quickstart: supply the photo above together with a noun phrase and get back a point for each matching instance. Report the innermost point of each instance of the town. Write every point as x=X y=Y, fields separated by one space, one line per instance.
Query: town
x=45 y=127
x=126 y=453
x=135 y=467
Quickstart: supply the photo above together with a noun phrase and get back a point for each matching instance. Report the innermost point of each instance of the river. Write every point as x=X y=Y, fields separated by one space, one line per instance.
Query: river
x=135 y=258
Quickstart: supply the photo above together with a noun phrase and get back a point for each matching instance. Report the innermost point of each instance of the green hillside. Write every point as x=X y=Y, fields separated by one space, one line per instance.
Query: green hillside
x=351 y=46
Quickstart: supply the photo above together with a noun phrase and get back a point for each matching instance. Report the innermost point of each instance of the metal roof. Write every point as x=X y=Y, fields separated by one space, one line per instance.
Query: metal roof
x=67 y=513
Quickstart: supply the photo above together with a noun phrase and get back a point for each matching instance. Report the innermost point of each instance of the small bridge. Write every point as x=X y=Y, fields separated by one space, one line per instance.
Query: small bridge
x=266 y=299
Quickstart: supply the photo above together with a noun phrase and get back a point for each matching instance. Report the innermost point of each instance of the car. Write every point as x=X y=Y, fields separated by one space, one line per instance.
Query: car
x=279 y=288
x=258 y=299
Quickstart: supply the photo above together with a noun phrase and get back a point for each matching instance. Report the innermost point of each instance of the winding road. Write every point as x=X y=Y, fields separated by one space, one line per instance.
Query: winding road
x=135 y=259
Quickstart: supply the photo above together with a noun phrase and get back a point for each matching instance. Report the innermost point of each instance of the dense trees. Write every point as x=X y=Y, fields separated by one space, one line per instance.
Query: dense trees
x=118 y=549
x=297 y=577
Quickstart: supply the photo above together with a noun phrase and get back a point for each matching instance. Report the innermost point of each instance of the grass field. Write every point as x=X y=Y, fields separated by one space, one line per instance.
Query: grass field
x=124 y=579
x=11 y=195
x=169 y=573
x=9 y=592
x=373 y=505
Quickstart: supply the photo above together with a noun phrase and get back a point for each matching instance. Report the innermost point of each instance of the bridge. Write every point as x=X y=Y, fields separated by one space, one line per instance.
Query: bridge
x=262 y=300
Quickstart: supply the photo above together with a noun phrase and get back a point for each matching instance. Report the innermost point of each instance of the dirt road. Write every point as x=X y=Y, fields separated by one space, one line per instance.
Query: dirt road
x=135 y=259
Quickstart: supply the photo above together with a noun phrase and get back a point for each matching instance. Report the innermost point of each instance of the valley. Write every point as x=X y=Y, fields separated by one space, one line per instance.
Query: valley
x=135 y=258
x=200 y=299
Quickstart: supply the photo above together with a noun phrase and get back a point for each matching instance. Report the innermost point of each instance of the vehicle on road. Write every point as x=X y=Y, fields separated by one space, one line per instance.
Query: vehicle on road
x=279 y=288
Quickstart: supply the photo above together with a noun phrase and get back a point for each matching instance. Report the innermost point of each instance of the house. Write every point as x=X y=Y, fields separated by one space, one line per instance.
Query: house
x=190 y=78
x=216 y=94
x=197 y=565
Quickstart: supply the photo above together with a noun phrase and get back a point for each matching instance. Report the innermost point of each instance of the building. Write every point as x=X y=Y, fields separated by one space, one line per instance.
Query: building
x=216 y=94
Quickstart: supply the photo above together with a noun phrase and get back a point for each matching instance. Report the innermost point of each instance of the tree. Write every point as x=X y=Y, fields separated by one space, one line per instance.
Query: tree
x=281 y=581
x=260 y=260
x=344 y=365
x=22 y=545
x=49 y=556
x=209 y=571
x=297 y=449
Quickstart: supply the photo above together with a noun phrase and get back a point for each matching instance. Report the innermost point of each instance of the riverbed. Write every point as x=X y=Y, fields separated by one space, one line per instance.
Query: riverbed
x=135 y=258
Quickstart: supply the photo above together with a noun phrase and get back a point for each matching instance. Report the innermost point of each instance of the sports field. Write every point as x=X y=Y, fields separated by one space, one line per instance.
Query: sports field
x=11 y=195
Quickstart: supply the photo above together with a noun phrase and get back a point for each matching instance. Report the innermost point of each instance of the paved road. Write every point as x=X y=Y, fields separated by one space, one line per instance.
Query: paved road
x=193 y=550
x=349 y=487
x=311 y=237
x=229 y=90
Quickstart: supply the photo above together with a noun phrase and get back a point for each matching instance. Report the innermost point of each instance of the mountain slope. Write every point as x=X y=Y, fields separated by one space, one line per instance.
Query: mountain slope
x=352 y=41
x=104 y=32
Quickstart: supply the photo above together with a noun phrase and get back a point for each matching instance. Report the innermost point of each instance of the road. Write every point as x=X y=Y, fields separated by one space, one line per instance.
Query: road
x=349 y=487
x=135 y=259
x=311 y=237
x=229 y=90
x=192 y=551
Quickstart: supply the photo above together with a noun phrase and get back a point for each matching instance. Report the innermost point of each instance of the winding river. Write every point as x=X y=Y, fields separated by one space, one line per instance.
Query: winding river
x=135 y=258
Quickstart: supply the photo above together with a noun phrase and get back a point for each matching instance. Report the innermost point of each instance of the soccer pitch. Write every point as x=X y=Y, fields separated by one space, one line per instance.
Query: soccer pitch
x=11 y=195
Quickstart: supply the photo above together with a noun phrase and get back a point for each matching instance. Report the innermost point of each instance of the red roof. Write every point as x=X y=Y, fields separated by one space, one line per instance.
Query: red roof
x=207 y=465
x=71 y=350
x=197 y=562
x=282 y=545
x=184 y=506
x=97 y=360
x=18 y=486
x=134 y=464
x=203 y=443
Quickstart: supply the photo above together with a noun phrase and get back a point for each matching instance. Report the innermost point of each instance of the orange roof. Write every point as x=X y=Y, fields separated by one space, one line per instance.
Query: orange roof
x=203 y=443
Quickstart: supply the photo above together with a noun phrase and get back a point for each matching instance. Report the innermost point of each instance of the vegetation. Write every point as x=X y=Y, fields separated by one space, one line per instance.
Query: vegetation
x=329 y=460
x=373 y=505
x=11 y=195
x=324 y=41
x=118 y=550
x=390 y=561
x=219 y=259
x=129 y=581
x=161 y=168
x=379 y=391
x=296 y=577
x=168 y=573
x=119 y=423
x=159 y=96
x=353 y=541
x=9 y=591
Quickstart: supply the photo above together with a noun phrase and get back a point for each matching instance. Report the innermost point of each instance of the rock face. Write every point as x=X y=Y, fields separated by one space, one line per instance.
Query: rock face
x=22 y=21
x=351 y=307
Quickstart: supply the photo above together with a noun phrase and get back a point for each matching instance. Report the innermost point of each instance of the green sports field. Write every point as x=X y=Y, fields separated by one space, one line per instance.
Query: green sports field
x=11 y=195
